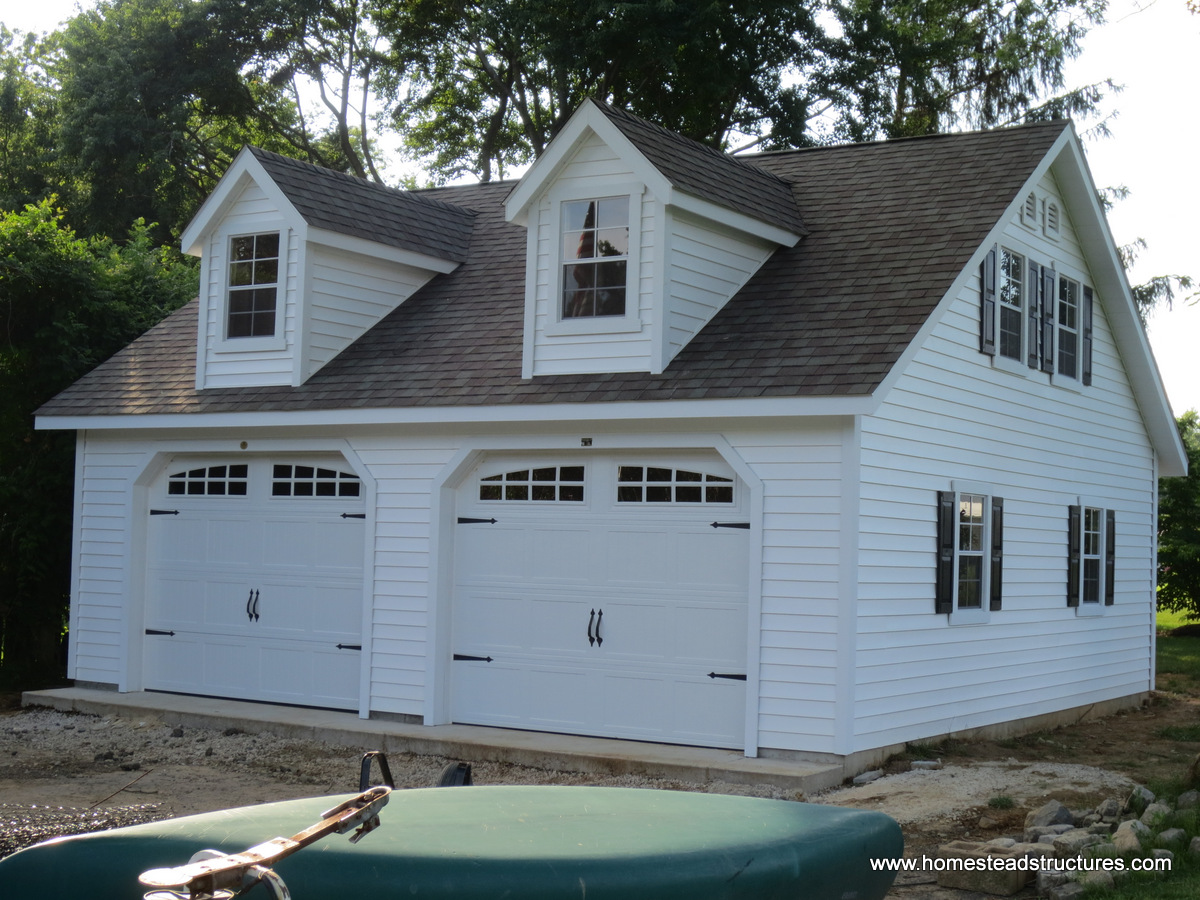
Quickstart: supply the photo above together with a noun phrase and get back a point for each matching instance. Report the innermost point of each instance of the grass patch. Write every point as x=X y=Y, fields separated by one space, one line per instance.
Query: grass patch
x=1178 y=664
x=1189 y=733
x=1002 y=801
x=1165 y=621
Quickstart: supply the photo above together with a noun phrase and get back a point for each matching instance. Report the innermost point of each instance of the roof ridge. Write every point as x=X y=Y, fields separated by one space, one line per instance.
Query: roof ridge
x=393 y=192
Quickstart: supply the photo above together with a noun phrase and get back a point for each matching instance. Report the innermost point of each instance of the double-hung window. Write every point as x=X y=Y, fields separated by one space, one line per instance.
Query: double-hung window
x=595 y=257
x=1068 y=327
x=1091 y=557
x=970 y=559
x=253 y=286
x=1011 y=296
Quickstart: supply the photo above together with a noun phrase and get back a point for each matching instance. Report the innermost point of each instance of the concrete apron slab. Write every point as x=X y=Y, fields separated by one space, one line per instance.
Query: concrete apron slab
x=540 y=750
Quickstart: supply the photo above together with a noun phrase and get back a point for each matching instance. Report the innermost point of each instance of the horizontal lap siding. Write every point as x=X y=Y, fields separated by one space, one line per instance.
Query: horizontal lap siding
x=954 y=417
x=404 y=474
x=348 y=294
x=104 y=513
x=593 y=172
x=802 y=547
x=707 y=267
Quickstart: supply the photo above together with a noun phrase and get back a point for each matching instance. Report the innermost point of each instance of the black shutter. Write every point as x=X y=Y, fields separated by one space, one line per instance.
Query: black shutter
x=997 y=573
x=1048 y=303
x=1087 y=335
x=1110 y=557
x=1034 y=315
x=1074 y=545
x=944 y=588
x=987 y=304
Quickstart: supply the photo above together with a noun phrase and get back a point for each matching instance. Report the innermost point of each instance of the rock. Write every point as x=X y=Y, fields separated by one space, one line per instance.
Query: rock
x=1004 y=842
x=1068 y=891
x=177 y=732
x=1109 y=809
x=1163 y=854
x=208 y=751
x=1172 y=837
x=1155 y=814
x=1053 y=813
x=1031 y=835
x=1103 y=850
x=1098 y=879
x=229 y=732
x=1194 y=847
x=987 y=822
x=1090 y=819
x=989 y=881
x=1129 y=836
x=1139 y=798
x=1072 y=843
x=1101 y=828
x=1188 y=800
x=868 y=777
x=1049 y=878
x=130 y=766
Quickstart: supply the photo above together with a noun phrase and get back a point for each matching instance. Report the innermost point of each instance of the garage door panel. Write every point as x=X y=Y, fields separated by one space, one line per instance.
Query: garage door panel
x=672 y=589
x=259 y=589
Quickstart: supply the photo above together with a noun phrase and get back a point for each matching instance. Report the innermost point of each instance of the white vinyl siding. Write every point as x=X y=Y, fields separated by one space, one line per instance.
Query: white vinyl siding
x=708 y=266
x=594 y=171
x=954 y=415
x=349 y=293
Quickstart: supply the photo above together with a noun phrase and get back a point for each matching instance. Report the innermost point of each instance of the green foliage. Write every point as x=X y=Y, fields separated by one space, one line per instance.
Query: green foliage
x=1178 y=664
x=28 y=119
x=1001 y=801
x=910 y=67
x=66 y=304
x=1179 y=528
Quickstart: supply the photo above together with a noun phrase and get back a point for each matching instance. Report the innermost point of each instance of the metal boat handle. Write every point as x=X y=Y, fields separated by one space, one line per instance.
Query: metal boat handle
x=599 y=619
x=591 y=637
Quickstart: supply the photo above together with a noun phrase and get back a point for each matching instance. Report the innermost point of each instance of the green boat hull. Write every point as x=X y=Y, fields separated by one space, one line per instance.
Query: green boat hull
x=532 y=843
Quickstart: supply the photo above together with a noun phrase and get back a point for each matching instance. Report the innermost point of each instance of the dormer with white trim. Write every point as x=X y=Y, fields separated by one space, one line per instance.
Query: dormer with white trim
x=636 y=237
x=298 y=262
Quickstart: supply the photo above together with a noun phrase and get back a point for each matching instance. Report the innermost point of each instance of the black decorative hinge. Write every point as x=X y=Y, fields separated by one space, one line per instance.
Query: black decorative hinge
x=464 y=520
x=730 y=524
x=732 y=676
x=462 y=657
x=156 y=631
x=354 y=515
x=164 y=512
x=349 y=646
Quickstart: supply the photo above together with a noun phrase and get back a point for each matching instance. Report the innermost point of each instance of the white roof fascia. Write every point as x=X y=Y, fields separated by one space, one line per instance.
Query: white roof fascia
x=543 y=172
x=1065 y=157
x=730 y=408
x=380 y=251
x=245 y=167
x=714 y=212
x=1070 y=169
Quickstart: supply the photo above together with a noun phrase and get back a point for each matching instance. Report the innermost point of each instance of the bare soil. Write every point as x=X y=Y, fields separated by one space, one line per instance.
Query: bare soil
x=53 y=759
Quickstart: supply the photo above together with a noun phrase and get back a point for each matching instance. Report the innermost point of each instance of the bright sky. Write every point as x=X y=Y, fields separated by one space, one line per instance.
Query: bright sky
x=1149 y=46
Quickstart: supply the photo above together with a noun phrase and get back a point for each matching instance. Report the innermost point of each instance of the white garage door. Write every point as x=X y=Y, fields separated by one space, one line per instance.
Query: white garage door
x=603 y=596
x=255 y=579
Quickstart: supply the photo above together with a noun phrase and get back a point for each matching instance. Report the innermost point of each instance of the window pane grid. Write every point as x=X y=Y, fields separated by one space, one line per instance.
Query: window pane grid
x=657 y=484
x=313 y=481
x=1092 y=519
x=970 y=550
x=253 y=285
x=212 y=481
x=595 y=250
x=1068 y=327
x=1011 y=292
x=543 y=483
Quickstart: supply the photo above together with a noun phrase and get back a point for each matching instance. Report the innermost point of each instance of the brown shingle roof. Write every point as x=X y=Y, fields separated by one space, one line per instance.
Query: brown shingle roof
x=890 y=227
x=352 y=206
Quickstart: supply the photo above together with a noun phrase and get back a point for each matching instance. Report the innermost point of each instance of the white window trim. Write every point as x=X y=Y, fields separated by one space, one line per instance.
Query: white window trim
x=278 y=341
x=1098 y=607
x=556 y=325
x=1072 y=382
x=982 y=615
x=1018 y=366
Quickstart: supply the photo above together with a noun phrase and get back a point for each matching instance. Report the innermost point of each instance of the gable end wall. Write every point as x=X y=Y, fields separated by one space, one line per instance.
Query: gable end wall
x=953 y=416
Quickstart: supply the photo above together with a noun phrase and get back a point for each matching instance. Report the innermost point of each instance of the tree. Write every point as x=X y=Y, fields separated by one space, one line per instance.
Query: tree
x=911 y=67
x=1179 y=528
x=66 y=304
x=28 y=119
x=493 y=81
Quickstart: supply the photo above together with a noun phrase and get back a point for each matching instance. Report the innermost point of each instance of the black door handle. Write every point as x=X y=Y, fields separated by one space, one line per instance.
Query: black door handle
x=599 y=619
x=256 y=606
x=591 y=637
x=249 y=600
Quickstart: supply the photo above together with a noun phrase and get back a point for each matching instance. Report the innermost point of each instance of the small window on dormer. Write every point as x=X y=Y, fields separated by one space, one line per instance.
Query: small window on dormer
x=253 y=285
x=595 y=247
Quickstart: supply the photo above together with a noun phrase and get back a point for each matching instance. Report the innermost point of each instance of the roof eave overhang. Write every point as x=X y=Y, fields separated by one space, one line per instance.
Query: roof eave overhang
x=727 y=408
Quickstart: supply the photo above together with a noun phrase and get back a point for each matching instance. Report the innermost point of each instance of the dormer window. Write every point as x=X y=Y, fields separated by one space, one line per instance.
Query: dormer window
x=595 y=248
x=253 y=285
